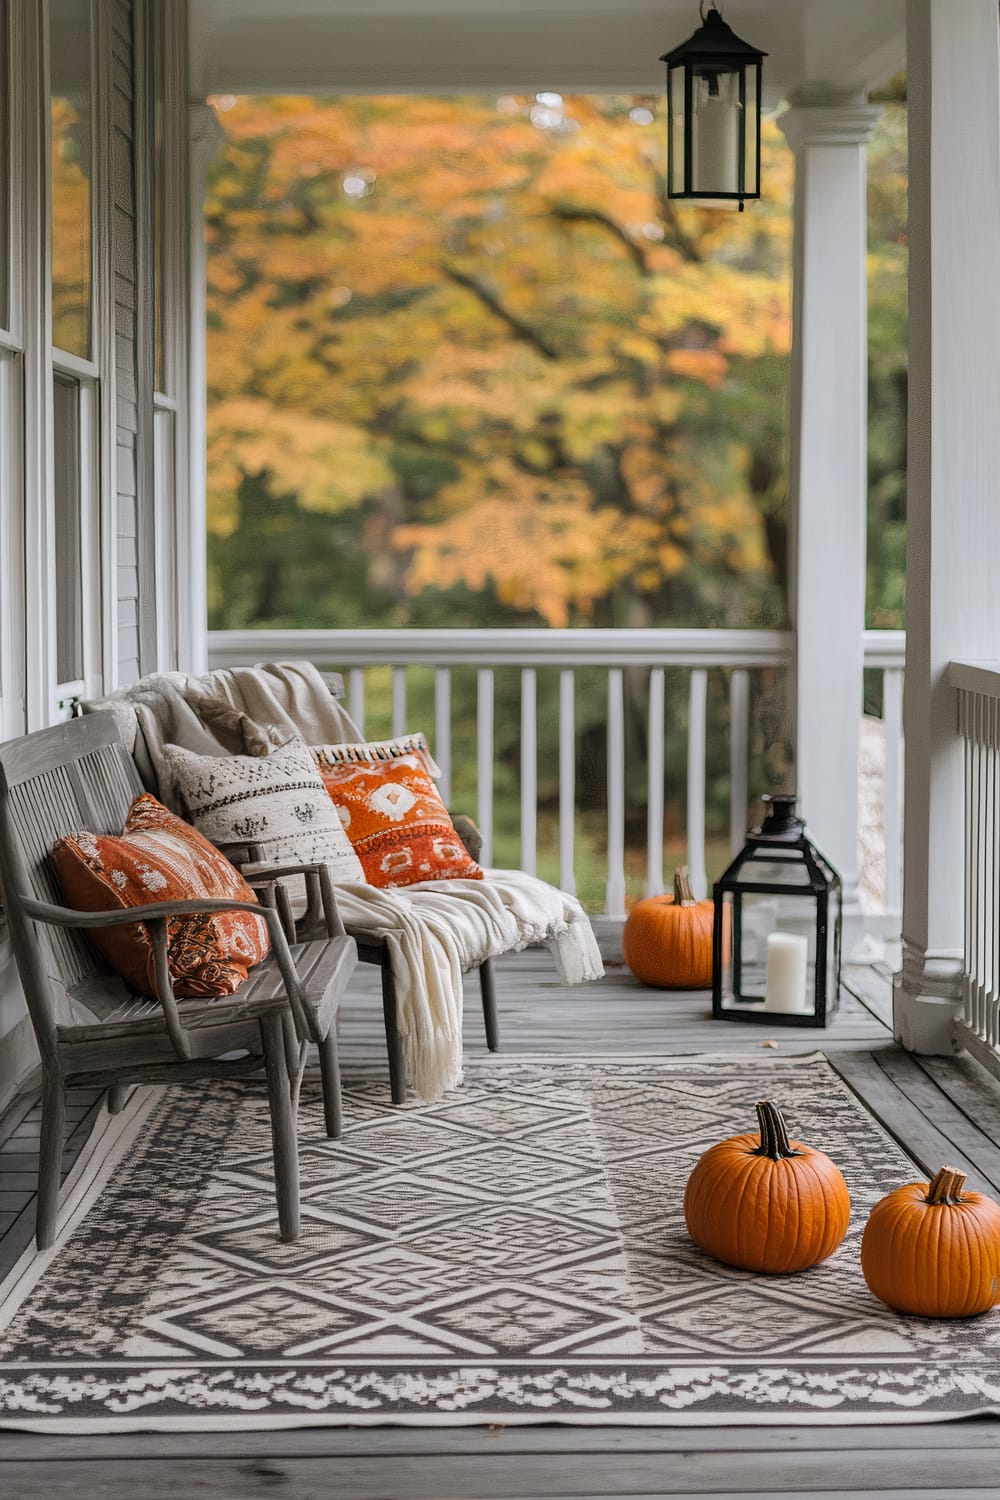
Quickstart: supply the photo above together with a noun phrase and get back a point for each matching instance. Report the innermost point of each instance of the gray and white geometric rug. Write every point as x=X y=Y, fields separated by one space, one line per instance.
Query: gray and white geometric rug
x=514 y=1253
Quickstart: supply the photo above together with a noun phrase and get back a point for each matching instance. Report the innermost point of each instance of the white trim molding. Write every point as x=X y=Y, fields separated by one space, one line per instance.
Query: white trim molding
x=828 y=467
x=206 y=138
x=953 y=471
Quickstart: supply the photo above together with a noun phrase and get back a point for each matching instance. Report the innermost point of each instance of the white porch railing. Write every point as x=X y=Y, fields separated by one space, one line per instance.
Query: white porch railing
x=736 y=653
x=979 y=726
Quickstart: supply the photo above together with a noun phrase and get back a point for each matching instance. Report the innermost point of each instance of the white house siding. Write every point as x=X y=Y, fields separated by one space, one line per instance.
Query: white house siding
x=137 y=630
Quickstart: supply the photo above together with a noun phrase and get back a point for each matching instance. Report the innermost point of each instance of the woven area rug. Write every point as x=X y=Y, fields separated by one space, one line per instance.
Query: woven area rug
x=514 y=1253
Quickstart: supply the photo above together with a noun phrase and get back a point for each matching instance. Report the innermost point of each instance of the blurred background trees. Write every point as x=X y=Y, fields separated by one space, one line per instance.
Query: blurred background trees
x=468 y=366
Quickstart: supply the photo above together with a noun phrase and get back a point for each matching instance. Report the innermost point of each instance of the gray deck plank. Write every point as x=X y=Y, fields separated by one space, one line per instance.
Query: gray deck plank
x=554 y=1477
x=981 y=1435
x=921 y=1139
x=954 y=1124
x=970 y=1088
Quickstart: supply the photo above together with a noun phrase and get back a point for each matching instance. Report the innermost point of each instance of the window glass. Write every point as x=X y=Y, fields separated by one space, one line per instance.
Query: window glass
x=68 y=549
x=69 y=43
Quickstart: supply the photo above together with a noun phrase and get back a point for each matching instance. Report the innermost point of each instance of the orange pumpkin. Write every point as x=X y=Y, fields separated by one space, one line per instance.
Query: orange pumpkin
x=667 y=940
x=765 y=1203
x=933 y=1249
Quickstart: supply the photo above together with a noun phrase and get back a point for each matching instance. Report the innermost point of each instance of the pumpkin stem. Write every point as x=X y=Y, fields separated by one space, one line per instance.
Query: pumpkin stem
x=946 y=1187
x=683 y=894
x=773 y=1132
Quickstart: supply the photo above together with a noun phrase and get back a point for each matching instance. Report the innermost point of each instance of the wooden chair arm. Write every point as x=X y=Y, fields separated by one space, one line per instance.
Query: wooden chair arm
x=67 y=916
x=154 y=918
x=318 y=881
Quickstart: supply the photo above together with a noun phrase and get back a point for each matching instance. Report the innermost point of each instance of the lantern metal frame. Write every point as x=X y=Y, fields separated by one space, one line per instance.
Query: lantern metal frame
x=781 y=839
x=713 y=49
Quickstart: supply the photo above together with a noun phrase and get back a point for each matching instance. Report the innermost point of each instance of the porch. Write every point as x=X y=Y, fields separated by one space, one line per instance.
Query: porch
x=127 y=469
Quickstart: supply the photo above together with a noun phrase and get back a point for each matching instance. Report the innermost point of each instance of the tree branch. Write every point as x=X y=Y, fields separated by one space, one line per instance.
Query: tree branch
x=571 y=215
x=491 y=301
x=682 y=242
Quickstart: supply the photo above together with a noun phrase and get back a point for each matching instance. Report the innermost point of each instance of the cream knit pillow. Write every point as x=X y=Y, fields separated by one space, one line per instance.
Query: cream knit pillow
x=276 y=802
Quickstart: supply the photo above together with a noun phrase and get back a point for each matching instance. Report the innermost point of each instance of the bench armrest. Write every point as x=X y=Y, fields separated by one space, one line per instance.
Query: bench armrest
x=154 y=918
x=319 y=887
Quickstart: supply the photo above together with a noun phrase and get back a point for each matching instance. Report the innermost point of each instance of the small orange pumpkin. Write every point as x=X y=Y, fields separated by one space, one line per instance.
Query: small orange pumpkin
x=667 y=940
x=765 y=1203
x=933 y=1249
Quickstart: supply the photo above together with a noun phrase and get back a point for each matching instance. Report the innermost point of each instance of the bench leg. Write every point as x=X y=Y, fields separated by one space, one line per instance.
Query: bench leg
x=50 y=1151
x=329 y=1067
x=487 y=984
x=283 y=1139
x=117 y=1094
x=393 y=1040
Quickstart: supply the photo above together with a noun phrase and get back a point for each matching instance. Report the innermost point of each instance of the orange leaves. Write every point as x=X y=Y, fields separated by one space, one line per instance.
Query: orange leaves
x=478 y=317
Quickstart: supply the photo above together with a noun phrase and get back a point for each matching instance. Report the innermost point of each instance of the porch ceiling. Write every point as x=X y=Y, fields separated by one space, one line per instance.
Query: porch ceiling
x=462 y=46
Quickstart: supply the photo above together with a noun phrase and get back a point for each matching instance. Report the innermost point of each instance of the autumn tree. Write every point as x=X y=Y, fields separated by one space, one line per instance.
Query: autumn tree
x=467 y=353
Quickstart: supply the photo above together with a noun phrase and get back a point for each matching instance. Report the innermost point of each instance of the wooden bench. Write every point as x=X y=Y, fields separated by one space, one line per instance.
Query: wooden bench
x=79 y=776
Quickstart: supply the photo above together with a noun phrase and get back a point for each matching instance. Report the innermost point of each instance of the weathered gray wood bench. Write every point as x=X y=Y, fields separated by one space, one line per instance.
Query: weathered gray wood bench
x=79 y=776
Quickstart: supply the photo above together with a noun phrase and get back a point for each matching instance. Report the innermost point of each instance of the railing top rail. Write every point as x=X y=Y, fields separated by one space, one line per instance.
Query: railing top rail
x=976 y=677
x=885 y=649
x=541 y=647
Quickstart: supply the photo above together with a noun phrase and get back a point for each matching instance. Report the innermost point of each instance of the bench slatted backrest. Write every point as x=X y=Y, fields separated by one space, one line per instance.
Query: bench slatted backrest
x=61 y=780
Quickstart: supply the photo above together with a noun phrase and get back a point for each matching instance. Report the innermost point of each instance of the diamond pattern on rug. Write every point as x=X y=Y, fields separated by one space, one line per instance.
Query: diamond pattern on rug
x=516 y=1252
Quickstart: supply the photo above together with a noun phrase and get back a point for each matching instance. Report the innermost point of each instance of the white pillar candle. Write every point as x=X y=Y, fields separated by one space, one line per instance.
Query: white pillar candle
x=787 y=960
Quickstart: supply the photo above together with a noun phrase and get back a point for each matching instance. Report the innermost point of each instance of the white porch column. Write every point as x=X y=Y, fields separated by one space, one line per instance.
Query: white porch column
x=205 y=138
x=953 y=486
x=828 y=478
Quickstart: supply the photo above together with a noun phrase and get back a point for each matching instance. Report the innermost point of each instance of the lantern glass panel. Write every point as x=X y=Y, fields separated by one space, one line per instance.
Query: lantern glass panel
x=716 y=131
x=751 y=154
x=678 y=182
x=752 y=918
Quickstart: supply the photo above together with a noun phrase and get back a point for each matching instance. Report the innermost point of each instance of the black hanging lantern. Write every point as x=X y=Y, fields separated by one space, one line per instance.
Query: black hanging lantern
x=778 y=920
x=713 y=115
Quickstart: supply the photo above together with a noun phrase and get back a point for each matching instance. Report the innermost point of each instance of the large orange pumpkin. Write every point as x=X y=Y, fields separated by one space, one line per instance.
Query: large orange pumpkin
x=933 y=1249
x=667 y=940
x=765 y=1203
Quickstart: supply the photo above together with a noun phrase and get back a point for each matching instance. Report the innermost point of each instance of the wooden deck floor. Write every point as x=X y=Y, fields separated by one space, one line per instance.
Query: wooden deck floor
x=938 y=1109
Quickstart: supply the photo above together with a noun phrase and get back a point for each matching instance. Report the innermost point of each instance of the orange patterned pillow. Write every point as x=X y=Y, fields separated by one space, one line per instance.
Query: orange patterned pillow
x=159 y=857
x=395 y=819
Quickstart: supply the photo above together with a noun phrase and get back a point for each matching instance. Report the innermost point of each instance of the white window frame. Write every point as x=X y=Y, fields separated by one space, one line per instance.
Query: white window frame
x=83 y=375
x=94 y=377
x=162 y=42
x=13 y=716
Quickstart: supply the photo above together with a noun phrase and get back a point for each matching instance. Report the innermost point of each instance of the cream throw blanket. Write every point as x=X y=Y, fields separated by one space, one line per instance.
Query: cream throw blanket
x=437 y=930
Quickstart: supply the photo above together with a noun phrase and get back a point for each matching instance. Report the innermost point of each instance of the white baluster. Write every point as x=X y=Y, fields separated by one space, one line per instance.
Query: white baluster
x=442 y=729
x=567 y=780
x=978 y=815
x=484 y=760
x=357 y=698
x=616 y=793
x=529 y=771
x=994 y=884
x=698 y=703
x=739 y=757
x=892 y=790
x=654 y=797
x=966 y=730
x=399 y=700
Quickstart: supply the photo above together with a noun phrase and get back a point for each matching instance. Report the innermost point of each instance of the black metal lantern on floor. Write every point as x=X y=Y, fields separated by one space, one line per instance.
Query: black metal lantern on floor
x=778 y=922
x=713 y=115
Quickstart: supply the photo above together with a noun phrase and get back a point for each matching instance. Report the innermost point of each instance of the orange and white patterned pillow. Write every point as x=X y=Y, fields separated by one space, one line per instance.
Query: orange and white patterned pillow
x=159 y=857
x=395 y=818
